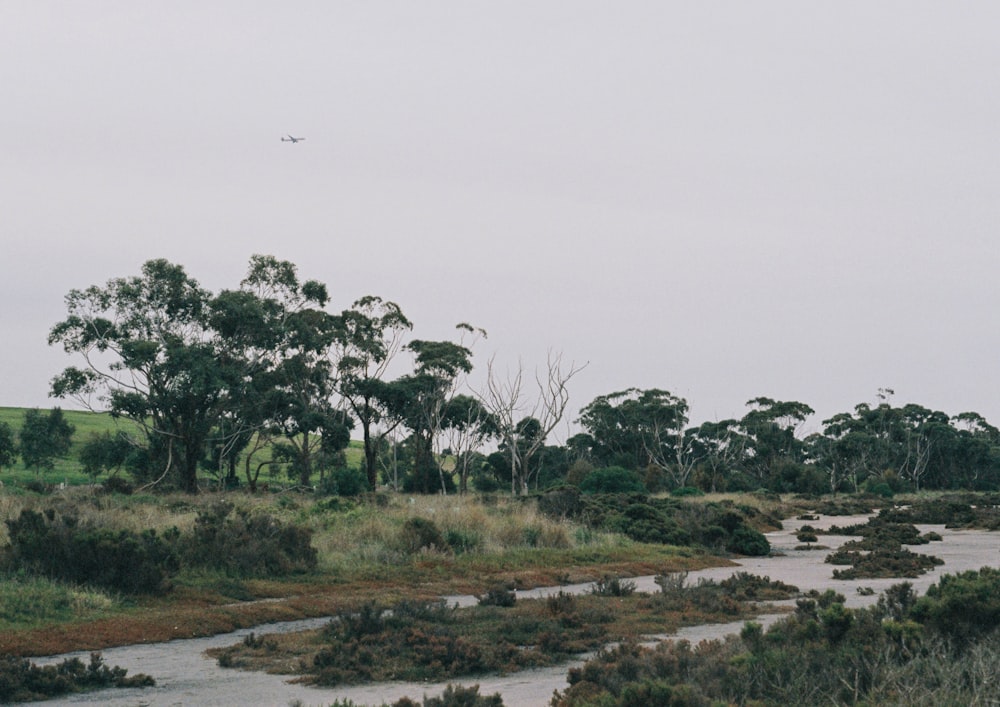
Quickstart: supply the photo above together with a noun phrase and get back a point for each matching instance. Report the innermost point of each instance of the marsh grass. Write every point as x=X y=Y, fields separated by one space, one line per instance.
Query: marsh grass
x=372 y=534
x=27 y=601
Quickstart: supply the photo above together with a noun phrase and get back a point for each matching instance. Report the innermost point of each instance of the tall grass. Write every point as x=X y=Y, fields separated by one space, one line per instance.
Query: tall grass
x=370 y=534
x=27 y=601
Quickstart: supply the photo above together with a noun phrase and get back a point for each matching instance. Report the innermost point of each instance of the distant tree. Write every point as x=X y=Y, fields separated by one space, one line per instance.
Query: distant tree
x=638 y=428
x=44 y=437
x=8 y=445
x=718 y=448
x=772 y=444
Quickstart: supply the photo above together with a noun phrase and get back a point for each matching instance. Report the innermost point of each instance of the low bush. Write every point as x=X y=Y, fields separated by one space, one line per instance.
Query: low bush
x=60 y=547
x=747 y=541
x=246 y=544
x=499 y=595
x=611 y=586
x=964 y=607
x=23 y=681
x=421 y=534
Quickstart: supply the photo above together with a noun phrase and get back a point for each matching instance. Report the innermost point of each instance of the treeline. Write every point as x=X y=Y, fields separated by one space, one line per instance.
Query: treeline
x=265 y=378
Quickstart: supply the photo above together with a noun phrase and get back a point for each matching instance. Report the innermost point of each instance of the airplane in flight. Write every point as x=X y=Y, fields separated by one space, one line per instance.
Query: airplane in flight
x=292 y=139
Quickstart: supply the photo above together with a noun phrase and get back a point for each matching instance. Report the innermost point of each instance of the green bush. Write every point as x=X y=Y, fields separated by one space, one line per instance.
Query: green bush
x=344 y=481
x=647 y=524
x=120 y=560
x=687 y=491
x=23 y=681
x=419 y=534
x=963 y=606
x=747 y=541
x=248 y=544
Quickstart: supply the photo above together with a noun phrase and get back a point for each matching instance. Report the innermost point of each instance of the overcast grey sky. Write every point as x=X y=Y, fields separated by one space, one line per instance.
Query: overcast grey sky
x=723 y=199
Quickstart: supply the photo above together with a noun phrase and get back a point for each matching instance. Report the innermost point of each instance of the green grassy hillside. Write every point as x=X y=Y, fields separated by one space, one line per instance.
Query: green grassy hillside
x=87 y=424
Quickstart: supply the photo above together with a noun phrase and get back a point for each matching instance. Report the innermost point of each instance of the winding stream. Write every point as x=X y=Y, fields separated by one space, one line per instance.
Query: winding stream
x=184 y=676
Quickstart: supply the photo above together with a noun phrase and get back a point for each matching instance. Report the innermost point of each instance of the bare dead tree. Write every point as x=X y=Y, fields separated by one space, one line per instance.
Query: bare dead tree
x=503 y=397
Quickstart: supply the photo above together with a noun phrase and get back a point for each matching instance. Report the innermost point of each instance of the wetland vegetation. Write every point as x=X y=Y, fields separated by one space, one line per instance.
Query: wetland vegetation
x=214 y=484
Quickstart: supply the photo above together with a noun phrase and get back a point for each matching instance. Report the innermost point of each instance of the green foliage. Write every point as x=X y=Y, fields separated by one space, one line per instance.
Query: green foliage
x=824 y=653
x=648 y=524
x=23 y=681
x=247 y=544
x=344 y=481
x=421 y=534
x=683 y=491
x=964 y=606
x=43 y=438
x=613 y=479
x=27 y=600
x=8 y=445
x=105 y=452
x=119 y=560
x=747 y=541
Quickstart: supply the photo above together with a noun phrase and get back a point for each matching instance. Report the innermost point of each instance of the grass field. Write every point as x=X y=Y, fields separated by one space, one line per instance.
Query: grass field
x=68 y=470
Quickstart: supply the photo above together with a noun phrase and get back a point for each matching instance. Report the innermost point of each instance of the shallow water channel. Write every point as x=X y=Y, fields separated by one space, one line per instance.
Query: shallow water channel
x=185 y=676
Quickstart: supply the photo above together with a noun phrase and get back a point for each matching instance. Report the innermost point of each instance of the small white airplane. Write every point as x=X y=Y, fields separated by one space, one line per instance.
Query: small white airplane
x=292 y=139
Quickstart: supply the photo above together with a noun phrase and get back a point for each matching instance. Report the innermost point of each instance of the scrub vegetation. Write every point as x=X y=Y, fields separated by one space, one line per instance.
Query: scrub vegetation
x=257 y=454
x=937 y=649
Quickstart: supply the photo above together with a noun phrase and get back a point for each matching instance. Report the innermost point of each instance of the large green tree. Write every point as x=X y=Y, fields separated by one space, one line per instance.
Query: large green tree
x=773 y=446
x=149 y=355
x=637 y=428
x=277 y=329
x=368 y=337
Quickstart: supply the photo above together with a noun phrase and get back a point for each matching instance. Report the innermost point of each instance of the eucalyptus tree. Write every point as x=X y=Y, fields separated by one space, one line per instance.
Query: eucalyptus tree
x=975 y=462
x=148 y=354
x=419 y=401
x=771 y=428
x=640 y=428
x=278 y=328
x=466 y=425
x=369 y=335
x=718 y=449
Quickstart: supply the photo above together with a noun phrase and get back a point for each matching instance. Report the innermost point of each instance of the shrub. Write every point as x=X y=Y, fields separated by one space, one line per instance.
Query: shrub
x=344 y=481
x=23 y=681
x=647 y=524
x=419 y=534
x=962 y=606
x=249 y=544
x=747 y=541
x=499 y=595
x=560 y=502
x=120 y=560
x=610 y=586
